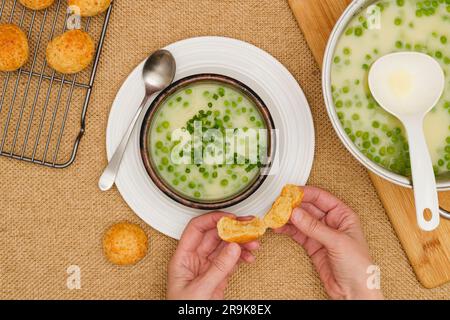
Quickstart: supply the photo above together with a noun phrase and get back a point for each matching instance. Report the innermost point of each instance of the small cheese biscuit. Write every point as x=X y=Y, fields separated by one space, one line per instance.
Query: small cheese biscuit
x=125 y=243
x=14 y=49
x=232 y=230
x=70 y=52
x=37 y=4
x=89 y=8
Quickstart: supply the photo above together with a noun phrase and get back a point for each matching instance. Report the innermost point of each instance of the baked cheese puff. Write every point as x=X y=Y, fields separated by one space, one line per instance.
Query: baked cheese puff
x=125 y=243
x=37 y=4
x=89 y=8
x=14 y=49
x=70 y=52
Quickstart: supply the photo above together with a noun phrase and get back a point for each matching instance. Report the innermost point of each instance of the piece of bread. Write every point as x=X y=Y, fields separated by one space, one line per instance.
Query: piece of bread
x=125 y=243
x=70 y=52
x=232 y=230
x=89 y=8
x=14 y=49
x=280 y=213
x=295 y=192
x=37 y=4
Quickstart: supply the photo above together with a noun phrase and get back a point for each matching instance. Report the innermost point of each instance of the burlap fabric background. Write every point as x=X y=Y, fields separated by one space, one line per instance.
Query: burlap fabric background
x=51 y=219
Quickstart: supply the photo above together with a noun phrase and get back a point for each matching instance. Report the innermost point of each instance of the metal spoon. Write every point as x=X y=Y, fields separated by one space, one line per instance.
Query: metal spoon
x=408 y=85
x=158 y=73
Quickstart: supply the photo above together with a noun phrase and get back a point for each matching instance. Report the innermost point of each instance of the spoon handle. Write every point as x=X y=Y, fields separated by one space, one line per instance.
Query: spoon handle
x=109 y=175
x=424 y=181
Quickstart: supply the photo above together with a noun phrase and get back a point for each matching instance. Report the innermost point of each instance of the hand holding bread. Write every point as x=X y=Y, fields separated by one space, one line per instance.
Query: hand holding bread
x=232 y=230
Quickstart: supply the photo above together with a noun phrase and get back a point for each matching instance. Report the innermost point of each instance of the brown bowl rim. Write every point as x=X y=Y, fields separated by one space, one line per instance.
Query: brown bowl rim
x=161 y=184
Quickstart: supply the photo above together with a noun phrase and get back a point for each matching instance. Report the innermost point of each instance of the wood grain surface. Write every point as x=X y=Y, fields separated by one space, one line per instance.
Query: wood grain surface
x=428 y=252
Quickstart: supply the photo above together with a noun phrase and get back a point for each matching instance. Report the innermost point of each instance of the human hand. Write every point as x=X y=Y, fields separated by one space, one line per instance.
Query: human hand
x=202 y=263
x=332 y=236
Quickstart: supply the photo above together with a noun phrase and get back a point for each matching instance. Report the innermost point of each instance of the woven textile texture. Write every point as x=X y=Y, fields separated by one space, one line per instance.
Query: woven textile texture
x=52 y=219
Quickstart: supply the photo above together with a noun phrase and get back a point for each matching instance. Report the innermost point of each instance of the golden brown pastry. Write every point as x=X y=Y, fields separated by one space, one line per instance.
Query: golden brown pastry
x=280 y=213
x=232 y=230
x=89 y=8
x=125 y=243
x=37 y=4
x=295 y=192
x=14 y=49
x=70 y=52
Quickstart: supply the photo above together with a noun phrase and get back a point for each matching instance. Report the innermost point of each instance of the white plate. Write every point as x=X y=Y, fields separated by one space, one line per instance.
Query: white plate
x=252 y=66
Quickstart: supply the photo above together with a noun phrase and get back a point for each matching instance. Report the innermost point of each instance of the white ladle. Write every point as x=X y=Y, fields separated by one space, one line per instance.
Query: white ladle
x=408 y=85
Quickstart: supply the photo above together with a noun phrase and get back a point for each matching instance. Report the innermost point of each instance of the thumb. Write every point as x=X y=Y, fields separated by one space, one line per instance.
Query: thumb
x=222 y=266
x=314 y=228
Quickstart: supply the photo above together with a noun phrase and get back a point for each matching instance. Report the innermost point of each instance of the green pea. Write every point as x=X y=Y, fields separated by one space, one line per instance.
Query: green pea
x=400 y=3
x=347 y=51
x=166 y=124
x=215 y=174
x=391 y=150
x=197 y=194
x=175 y=182
x=441 y=162
x=183 y=178
x=191 y=185
x=186 y=104
x=337 y=59
x=443 y=39
x=358 y=31
x=170 y=168
x=398 y=21
x=375 y=140
x=355 y=116
x=375 y=124
x=188 y=91
x=224 y=182
x=165 y=161
x=245 y=179
x=159 y=144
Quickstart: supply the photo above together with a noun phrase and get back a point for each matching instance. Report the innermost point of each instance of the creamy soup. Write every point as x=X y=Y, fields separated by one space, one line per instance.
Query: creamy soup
x=385 y=27
x=214 y=110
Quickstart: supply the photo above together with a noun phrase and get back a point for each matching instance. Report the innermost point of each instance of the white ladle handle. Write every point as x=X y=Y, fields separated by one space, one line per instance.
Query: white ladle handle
x=424 y=181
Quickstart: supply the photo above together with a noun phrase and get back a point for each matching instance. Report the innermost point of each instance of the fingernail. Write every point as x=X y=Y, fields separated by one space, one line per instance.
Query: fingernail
x=297 y=215
x=233 y=249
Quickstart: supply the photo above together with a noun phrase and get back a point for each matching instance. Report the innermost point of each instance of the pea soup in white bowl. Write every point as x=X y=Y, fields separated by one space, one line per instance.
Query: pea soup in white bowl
x=384 y=27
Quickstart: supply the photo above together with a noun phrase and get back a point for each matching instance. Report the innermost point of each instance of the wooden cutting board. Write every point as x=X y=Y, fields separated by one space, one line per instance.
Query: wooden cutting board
x=428 y=252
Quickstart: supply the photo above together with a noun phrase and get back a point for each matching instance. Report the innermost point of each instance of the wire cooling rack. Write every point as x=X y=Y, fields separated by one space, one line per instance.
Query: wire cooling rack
x=42 y=112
